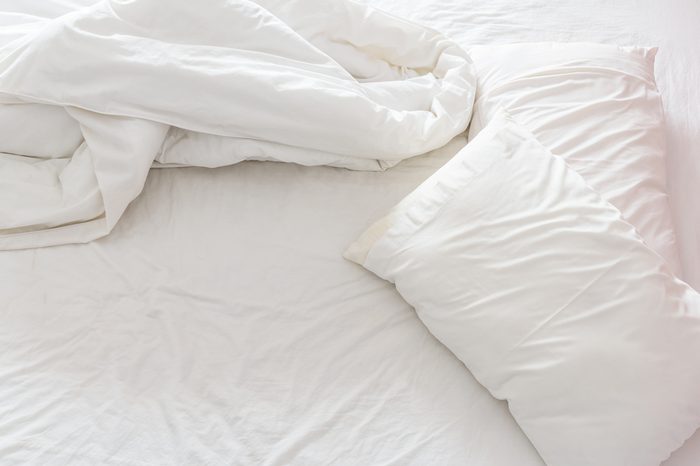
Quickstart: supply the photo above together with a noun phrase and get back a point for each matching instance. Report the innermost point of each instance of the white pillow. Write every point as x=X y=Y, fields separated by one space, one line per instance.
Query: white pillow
x=550 y=299
x=598 y=107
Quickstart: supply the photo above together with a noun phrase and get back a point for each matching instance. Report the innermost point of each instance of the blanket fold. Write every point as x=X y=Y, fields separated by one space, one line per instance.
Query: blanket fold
x=91 y=99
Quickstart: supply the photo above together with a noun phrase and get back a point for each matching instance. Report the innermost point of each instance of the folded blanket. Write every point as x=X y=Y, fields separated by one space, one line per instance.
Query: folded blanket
x=89 y=100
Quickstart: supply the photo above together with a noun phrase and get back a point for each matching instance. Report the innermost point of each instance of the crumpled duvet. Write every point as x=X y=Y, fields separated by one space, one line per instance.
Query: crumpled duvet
x=90 y=100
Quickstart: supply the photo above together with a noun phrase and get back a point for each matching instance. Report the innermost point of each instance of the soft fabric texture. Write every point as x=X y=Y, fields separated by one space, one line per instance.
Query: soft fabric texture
x=550 y=299
x=598 y=107
x=218 y=320
x=208 y=83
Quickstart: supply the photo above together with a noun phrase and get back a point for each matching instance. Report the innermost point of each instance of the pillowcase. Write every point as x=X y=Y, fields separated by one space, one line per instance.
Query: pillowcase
x=550 y=298
x=598 y=107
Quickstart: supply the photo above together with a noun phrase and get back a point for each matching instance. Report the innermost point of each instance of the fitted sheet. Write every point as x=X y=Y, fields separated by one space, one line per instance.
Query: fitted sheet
x=218 y=323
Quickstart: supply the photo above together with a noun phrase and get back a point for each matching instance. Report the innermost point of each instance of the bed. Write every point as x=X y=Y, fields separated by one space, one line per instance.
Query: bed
x=219 y=324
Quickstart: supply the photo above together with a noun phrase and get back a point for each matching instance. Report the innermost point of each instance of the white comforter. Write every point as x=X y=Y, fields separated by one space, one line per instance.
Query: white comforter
x=90 y=99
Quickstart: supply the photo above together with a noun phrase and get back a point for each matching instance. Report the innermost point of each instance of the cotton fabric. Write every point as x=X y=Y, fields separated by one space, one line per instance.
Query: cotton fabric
x=209 y=83
x=598 y=107
x=550 y=298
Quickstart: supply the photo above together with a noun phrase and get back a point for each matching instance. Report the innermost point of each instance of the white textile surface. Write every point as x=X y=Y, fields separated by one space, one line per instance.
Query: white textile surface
x=671 y=25
x=218 y=323
x=207 y=83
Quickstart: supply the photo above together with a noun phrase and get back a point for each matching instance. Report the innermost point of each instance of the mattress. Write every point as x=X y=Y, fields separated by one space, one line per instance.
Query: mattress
x=218 y=323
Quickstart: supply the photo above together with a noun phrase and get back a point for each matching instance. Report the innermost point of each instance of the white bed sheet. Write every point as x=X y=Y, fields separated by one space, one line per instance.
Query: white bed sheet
x=219 y=325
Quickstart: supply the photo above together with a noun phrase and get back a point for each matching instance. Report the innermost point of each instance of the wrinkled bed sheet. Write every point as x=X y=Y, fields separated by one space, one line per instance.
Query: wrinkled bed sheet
x=222 y=328
x=218 y=324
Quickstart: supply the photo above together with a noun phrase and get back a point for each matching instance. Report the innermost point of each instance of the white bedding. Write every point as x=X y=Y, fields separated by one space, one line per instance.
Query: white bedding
x=210 y=83
x=222 y=327
x=219 y=323
x=598 y=107
x=672 y=26
x=549 y=297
